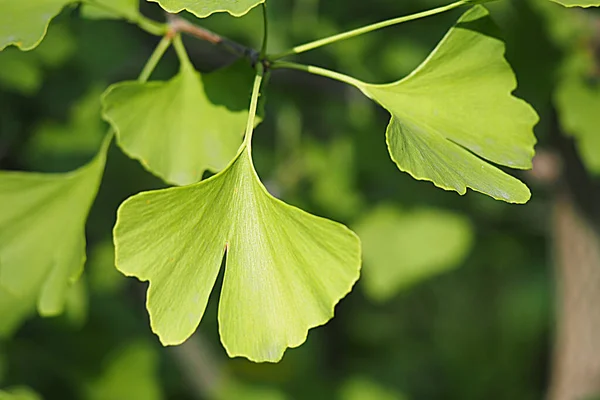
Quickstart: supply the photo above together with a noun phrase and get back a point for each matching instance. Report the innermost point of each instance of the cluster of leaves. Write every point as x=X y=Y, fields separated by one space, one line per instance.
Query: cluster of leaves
x=451 y=118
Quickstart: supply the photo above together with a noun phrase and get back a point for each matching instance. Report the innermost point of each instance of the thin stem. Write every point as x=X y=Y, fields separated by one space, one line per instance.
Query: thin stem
x=182 y=54
x=318 y=71
x=263 y=50
x=160 y=50
x=146 y=24
x=365 y=29
x=253 y=105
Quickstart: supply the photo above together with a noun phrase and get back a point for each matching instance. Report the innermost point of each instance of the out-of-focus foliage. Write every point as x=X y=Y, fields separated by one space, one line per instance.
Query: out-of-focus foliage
x=401 y=248
x=207 y=7
x=360 y=389
x=480 y=330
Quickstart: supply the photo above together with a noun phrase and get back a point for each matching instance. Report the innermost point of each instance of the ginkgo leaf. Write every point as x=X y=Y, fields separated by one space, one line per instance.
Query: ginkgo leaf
x=577 y=3
x=455 y=111
x=172 y=127
x=42 y=240
x=204 y=8
x=111 y=9
x=403 y=248
x=285 y=269
x=24 y=23
x=359 y=388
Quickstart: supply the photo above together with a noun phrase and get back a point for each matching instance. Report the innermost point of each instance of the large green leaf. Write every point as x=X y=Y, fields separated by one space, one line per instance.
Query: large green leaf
x=24 y=23
x=172 y=127
x=402 y=249
x=455 y=111
x=578 y=3
x=13 y=310
x=111 y=9
x=42 y=240
x=204 y=8
x=285 y=269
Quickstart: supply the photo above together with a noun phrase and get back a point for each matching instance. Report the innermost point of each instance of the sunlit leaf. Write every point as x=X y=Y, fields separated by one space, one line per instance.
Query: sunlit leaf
x=578 y=101
x=24 y=71
x=100 y=269
x=455 y=113
x=403 y=248
x=42 y=240
x=285 y=269
x=24 y=23
x=204 y=8
x=578 y=3
x=129 y=373
x=172 y=127
x=111 y=9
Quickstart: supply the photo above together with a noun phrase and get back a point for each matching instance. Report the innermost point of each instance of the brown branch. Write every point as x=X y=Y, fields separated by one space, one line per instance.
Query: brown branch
x=178 y=24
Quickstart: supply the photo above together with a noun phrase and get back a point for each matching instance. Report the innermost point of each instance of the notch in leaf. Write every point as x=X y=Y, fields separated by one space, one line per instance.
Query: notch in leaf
x=285 y=269
x=455 y=113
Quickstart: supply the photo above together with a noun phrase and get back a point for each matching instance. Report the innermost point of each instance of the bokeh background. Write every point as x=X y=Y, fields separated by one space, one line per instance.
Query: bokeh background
x=462 y=297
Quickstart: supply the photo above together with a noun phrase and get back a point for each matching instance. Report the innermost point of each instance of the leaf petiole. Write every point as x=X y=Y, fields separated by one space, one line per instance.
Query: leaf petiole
x=366 y=29
x=157 y=54
x=318 y=71
x=253 y=105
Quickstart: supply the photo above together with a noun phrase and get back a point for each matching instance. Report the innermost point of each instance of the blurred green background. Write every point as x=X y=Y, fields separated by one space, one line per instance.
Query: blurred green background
x=457 y=299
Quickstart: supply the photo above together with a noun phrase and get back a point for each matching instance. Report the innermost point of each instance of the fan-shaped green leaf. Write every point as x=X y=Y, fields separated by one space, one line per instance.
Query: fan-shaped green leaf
x=42 y=241
x=457 y=107
x=285 y=269
x=577 y=3
x=403 y=248
x=24 y=23
x=204 y=8
x=172 y=127
x=111 y=9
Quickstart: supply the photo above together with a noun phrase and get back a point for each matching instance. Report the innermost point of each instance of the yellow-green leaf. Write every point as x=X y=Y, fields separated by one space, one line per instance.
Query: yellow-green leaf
x=455 y=114
x=42 y=238
x=204 y=8
x=172 y=127
x=24 y=23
